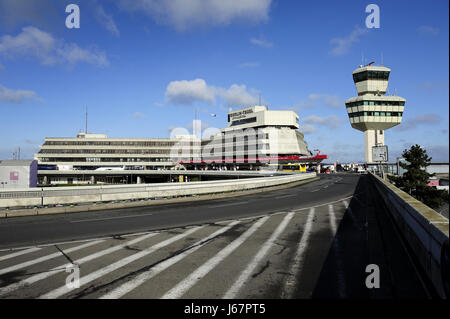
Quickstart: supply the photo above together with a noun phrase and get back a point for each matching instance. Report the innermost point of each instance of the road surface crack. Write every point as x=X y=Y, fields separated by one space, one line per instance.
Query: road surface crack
x=65 y=255
x=263 y=268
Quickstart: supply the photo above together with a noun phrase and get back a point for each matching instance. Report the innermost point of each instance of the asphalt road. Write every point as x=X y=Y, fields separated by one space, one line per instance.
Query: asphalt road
x=37 y=230
x=309 y=241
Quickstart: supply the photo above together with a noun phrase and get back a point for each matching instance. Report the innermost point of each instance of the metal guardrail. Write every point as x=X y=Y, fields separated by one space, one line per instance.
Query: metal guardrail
x=77 y=194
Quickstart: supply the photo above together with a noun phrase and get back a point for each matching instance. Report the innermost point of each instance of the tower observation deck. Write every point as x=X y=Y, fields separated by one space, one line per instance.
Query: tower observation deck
x=373 y=112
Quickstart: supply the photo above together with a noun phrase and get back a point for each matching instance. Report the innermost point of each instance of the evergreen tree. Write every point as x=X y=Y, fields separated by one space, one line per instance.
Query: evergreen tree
x=414 y=181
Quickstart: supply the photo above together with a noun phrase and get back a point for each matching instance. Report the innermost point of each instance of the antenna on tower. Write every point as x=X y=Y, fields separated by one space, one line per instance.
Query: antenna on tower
x=259 y=99
x=382 y=63
x=86 y=120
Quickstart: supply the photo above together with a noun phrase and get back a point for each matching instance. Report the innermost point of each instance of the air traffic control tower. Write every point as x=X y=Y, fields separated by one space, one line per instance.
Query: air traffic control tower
x=372 y=111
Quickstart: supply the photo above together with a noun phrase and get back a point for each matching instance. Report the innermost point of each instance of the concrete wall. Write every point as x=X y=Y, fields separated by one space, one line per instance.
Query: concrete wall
x=85 y=194
x=424 y=229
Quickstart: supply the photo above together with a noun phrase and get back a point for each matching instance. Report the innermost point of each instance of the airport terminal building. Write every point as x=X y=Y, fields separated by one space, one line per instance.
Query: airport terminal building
x=254 y=137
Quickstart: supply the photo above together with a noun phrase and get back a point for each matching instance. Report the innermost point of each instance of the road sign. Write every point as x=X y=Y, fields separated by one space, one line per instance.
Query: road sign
x=379 y=153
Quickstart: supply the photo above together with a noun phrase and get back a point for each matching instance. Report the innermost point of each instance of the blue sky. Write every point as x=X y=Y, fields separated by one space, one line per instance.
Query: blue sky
x=143 y=66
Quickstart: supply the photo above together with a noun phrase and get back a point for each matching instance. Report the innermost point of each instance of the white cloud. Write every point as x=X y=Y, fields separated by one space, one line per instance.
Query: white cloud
x=262 y=42
x=16 y=96
x=138 y=115
x=72 y=54
x=30 y=42
x=330 y=121
x=237 y=95
x=184 y=14
x=41 y=13
x=333 y=101
x=426 y=30
x=315 y=99
x=438 y=153
x=188 y=92
x=344 y=44
x=33 y=42
x=106 y=20
x=308 y=129
x=431 y=86
x=422 y=119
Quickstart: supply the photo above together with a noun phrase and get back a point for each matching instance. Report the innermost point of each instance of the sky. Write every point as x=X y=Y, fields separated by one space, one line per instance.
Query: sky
x=143 y=67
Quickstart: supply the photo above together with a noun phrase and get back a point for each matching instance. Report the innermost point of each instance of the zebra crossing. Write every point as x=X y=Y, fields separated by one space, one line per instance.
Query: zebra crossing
x=259 y=257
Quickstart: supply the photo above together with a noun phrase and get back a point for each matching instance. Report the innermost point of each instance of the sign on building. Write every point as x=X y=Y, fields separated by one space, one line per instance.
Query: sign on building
x=380 y=153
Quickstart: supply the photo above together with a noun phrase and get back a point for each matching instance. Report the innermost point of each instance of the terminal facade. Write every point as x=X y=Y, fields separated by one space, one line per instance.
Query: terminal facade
x=255 y=136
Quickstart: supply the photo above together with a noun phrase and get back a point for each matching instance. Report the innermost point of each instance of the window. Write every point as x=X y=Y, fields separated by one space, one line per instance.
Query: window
x=371 y=113
x=366 y=75
x=244 y=121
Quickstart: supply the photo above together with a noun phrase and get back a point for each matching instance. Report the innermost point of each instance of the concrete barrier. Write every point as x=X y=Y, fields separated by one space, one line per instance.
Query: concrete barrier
x=425 y=230
x=88 y=194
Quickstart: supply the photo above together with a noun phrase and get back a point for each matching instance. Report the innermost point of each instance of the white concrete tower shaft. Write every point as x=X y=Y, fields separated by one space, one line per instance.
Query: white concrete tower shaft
x=372 y=138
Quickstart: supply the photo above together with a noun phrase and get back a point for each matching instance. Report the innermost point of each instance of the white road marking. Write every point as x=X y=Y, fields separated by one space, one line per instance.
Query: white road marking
x=101 y=219
x=62 y=268
x=119 y=264
x=136 y=234
x=229 y=204
x=45 y=258
x=345 y=204
x=297 y=262
x=243 y=278
x=316 y=206
x=19 y=253
x=181 y=288
x=78 y=241
x=147 y=275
